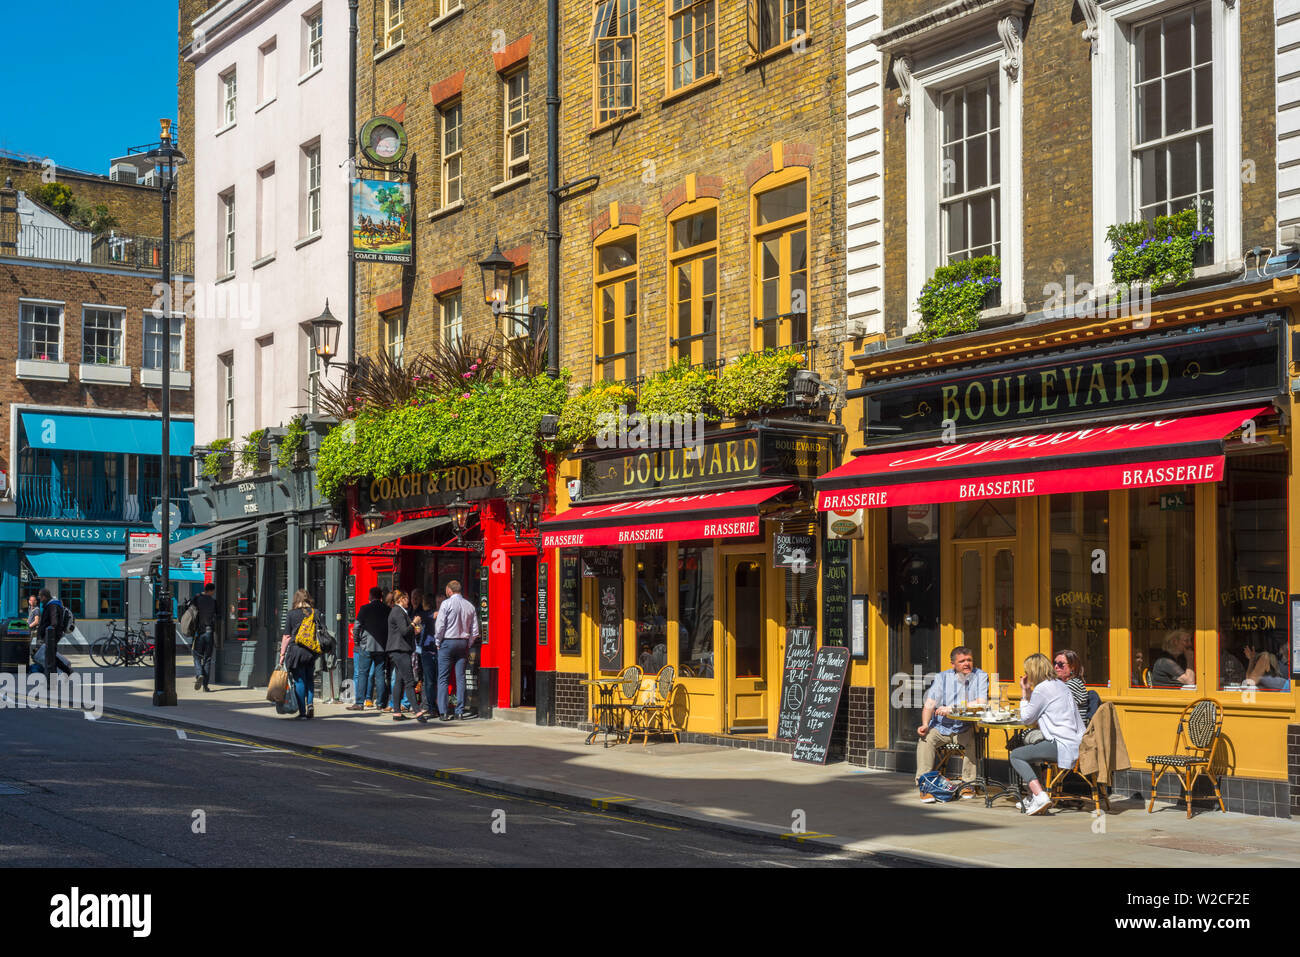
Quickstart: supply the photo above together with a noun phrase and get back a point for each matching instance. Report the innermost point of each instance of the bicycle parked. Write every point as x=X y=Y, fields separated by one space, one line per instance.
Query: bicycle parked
x=130 y=646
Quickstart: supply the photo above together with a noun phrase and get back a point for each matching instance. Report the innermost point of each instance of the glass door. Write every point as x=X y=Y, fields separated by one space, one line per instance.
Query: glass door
x=746 y=644
x=985 y=614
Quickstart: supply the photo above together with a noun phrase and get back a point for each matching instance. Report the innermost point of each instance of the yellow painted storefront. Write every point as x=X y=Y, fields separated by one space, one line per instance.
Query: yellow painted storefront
x=995 y=573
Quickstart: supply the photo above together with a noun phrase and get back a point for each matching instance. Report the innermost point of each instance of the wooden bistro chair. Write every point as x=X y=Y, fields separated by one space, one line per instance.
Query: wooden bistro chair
x=652 y=713
x=1198 y=732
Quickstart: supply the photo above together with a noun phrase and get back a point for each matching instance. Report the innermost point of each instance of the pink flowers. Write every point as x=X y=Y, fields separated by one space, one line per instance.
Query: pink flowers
x=464 y=395
x=473 y=367
x=467 y=375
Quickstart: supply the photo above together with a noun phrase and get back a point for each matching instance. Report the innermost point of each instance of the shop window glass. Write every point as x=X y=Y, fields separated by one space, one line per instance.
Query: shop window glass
x=651 y=607
x=71 y=595
x=28 y=588
x=749 y=620
x=695 y=611
x=1080 y=560
x=994 y=518
x=110 y=599
x=1252 y=598
x=1162 y=583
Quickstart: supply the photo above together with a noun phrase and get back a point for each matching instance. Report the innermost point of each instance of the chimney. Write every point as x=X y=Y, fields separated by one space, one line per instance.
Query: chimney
x=8 y=219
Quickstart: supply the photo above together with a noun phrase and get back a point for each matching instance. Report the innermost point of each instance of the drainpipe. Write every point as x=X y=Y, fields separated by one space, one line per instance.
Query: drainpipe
x=552 y=185
x=352 y=153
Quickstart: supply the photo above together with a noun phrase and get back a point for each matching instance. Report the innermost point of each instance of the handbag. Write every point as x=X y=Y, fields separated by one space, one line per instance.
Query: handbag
x=278 y=686
x=932 y=782
x=290 y=705
x=323 y=637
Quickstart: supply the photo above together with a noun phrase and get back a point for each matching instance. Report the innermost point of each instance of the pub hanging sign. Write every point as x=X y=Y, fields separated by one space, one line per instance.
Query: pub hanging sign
x=1231 y=363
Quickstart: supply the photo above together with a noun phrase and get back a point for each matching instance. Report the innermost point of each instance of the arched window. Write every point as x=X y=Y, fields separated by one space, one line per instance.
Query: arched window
x=693 y=282
x=779 y=227
x=615 y=305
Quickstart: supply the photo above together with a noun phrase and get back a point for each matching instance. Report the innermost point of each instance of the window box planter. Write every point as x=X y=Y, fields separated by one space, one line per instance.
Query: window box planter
x=152 y=379
x=42 y=369
x=957 y=296
x=100 y=374
x=1163 y=254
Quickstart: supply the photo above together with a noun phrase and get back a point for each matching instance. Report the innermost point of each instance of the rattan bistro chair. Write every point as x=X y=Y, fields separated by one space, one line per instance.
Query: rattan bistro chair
x=1198 y=732
x=652 y=713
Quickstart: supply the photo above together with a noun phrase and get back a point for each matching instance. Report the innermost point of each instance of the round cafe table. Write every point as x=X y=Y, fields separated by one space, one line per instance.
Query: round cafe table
x=992 y=789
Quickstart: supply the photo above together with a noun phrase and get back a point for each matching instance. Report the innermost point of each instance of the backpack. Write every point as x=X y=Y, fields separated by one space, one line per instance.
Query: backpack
x=68 y=621
x=190 y=619
x=935 y=783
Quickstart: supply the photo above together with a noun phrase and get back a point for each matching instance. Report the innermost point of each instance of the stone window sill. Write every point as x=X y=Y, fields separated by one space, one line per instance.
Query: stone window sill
x=619 y=120
x=509 y=184
x=713 y=79
x=778 y=51
x=259 y=263
x=308 y=240
x=455 y=207
x=264 y=104
x=384 y=54
x=310 y=73
x=229 y=126
x=446 y=17
x=226 y=278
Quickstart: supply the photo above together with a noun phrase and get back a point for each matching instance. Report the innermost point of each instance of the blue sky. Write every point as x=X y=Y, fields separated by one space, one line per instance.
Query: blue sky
x=85 y=79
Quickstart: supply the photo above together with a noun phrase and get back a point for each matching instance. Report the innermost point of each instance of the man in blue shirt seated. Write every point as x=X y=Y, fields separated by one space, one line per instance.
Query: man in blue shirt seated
x=963 y=683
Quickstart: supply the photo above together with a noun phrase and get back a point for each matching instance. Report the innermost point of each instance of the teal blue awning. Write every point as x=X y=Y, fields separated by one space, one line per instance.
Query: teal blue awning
x=51 y=563
x=105 y=433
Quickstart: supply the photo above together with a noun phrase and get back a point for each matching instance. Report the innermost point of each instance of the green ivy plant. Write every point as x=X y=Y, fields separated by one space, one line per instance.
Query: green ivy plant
x=294 y=436
x=218 y=451
x=678 y=390
x=495 y=422
x=581 y=417
x=756 y=382
x=1162 y=252
x=248 y=454
x=952 y=299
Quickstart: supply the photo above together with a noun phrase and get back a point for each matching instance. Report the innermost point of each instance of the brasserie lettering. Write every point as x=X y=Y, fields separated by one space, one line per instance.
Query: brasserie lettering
x=1069 y=387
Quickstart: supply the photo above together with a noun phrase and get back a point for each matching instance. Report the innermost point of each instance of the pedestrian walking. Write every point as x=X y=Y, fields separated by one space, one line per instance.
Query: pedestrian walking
x=428 y=651
x=456 y=635
x=204 y=640
x=299 y=650
x=369 y=637
x=401 y=642
x=54 y=622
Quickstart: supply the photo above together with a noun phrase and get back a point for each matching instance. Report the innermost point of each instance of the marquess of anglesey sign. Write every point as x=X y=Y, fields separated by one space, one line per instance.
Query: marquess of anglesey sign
x=1241 y=361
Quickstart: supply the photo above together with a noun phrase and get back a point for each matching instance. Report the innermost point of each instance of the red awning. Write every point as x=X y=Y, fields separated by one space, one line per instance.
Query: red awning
x=707 y=515
x=1131 y=455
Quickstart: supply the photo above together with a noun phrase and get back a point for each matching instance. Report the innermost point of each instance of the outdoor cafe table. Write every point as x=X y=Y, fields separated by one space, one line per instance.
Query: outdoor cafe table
x=606 y=712
x=982 y=728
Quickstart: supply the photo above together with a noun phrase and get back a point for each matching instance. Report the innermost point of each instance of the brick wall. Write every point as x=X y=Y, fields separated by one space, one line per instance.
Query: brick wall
x=861 y=724
x=570 y=699
x=405 y=83
x=723 y=134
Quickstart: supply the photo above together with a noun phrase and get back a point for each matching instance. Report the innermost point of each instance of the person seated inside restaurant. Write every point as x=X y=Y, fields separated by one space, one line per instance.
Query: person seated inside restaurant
x=1231 y=669
x=1264 y=671
x=1170 y=669
x=962 y=684
x=1047 y=702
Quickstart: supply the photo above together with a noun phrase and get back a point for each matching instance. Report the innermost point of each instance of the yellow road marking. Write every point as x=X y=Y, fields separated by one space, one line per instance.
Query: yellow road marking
x=804 y=837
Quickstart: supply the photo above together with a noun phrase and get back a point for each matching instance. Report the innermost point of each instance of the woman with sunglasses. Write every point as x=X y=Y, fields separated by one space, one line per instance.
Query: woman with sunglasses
x=1069 y=668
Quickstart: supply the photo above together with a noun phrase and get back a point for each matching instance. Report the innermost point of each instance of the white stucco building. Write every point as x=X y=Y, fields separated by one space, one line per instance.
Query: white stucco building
x=864 y=87
x=271 y=193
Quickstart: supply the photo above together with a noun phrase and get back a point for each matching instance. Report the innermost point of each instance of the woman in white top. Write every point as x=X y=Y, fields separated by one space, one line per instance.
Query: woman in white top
x=1046 y=701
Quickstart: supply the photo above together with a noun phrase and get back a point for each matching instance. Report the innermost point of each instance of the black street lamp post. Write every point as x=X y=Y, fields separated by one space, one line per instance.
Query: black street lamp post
x=496 y=269
x=168 y=158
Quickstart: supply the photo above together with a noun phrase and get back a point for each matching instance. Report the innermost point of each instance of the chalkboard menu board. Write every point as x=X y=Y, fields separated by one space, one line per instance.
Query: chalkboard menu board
x=602 y=562
x=800 y=650
x=609 y=596
x=825 y=686
x=570 y=604
x=483 y=604
x=795 y=552
x=837 y=575
x=543 y=602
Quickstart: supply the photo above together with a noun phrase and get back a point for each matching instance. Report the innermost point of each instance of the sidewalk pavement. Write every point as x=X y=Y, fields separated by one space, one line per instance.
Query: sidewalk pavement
x=736 y=789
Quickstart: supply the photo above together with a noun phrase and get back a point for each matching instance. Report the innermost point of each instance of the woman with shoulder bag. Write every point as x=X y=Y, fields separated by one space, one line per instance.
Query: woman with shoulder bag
x=299 y=650
x=1046 y=701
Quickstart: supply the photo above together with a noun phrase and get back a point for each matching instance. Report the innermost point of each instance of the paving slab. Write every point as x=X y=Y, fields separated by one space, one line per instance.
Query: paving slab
x=837 y=806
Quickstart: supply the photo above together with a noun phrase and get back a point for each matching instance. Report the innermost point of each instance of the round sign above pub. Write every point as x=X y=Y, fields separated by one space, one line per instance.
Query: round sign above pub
x=383 y=140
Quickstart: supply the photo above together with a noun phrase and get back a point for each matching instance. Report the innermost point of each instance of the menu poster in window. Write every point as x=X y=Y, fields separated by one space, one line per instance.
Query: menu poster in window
x=795 y=552
x=602 y=562
x=820 y=705
x=609 y=595
x=1295 y=635
x=837 y=569
x=543 y=602
x=799 y=653
x=483 y=604
x=570 y=604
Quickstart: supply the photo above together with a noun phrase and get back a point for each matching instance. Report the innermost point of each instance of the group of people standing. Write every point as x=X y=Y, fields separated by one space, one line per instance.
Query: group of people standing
x=397 y=633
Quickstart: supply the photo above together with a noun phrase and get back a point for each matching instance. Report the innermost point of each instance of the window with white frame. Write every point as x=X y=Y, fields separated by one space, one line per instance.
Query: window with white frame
x=447 y=6
x=614 y=36
x=227 y=362
x=266 y=67
x=451 y=153
x=394 y=325
x=153 y=341
x=1173 y=114
x=450 y=319
x=228 y=97
x=311 y=189
x=516 y=120
x=40 y=331
x=313 y=374
x=517 y=302
x=1169 y=137
x=265 y=215
x=314 y=25
x=227 y=246
x=970 y=171
x=394 y=14
x=101 y=336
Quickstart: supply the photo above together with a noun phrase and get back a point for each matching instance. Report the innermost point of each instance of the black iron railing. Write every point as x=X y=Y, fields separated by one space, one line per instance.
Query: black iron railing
x=64 y=244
